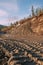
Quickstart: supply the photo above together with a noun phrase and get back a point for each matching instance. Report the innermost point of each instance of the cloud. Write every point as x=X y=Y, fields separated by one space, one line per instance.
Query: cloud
x=10 y=6
x=9 y=20
x=4 y=22
x=3 y=13
x=6 y=10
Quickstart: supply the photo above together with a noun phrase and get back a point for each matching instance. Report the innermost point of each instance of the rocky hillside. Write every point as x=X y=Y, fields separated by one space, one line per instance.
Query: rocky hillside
x=30 y=29
x=29 y=25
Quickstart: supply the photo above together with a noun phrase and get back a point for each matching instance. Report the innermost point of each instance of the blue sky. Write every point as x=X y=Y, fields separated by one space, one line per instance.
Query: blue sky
x=12 y=10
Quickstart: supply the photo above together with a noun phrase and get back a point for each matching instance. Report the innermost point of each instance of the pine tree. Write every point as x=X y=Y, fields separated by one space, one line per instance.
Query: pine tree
x=33 y=14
